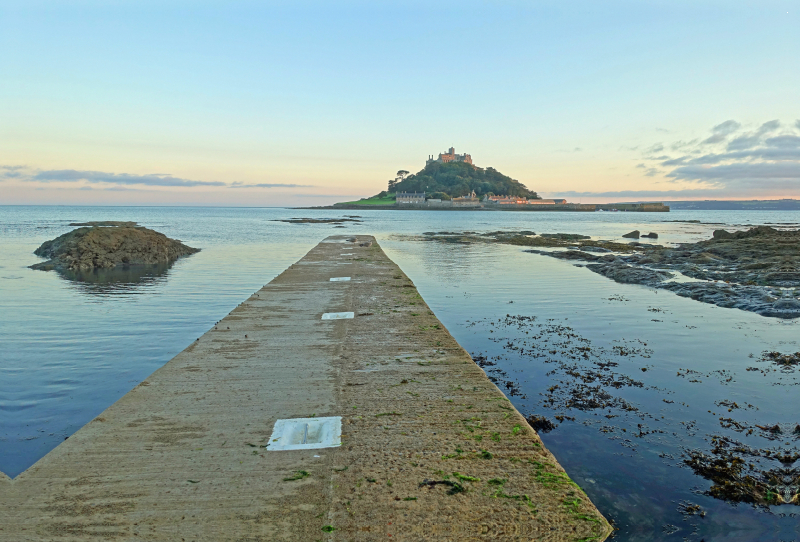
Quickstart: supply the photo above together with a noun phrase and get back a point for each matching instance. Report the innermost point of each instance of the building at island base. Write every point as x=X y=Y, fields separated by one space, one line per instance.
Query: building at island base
x=418 y=198
x=518 y=200
x=410 y=198
x=470 y=200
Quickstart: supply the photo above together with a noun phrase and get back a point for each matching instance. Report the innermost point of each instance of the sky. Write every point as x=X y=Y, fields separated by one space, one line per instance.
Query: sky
x=305 y=103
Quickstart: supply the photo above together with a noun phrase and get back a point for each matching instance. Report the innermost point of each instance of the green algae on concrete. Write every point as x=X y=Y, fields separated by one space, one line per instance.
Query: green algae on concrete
x=430 y=448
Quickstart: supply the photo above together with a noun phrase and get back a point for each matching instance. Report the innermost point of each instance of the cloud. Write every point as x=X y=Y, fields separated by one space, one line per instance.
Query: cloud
x=752 y=139
x=740 y=172
x=106 y=188
x=788 y=141
x=153 y=179
x=658 y=147
x=720 y=132
x=764 y=159
x=672 y=194
x=101 y=180
x=11 y=172
x=328 y=195
x=269 y=185
x=678 y=145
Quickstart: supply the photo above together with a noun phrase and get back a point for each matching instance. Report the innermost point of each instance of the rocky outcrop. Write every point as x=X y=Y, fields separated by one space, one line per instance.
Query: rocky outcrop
x=632 y=235
x=756 y=270
x=106 y=247
x=629 y=274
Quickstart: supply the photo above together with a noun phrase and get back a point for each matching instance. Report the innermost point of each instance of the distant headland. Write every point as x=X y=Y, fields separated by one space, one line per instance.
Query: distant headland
x=453 y=182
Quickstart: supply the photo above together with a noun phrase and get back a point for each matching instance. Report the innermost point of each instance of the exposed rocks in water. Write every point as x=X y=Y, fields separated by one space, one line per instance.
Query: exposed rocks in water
x=632 y=235
x=540 y=424
x=787 y=362
x=621 y=272
x=527 y=238
x=736 y=475
x=757 y=270
x=565 y=236
x=317 y=220
x=651 y=235
x=106 y=247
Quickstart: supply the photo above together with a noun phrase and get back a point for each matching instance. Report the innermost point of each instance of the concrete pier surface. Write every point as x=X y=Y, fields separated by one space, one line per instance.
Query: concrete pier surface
x=430 y=448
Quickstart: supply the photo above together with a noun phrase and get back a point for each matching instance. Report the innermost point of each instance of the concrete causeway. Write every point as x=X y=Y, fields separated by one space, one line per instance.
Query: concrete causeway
x=430 y=448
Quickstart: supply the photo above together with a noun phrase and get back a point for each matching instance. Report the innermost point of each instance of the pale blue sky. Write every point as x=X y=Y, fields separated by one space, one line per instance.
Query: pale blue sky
x=174 y=102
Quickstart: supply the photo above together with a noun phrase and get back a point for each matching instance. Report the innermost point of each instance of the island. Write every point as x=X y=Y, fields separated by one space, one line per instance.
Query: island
x=453 y=182
x=106 y=245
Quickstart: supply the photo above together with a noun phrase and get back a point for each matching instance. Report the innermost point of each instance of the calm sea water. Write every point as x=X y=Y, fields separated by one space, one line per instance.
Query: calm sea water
x=69 y=349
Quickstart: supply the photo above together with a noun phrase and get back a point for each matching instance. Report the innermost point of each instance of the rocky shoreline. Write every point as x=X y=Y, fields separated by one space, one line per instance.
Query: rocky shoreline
x=754 y=270
x=106 y=245
x=757 y=270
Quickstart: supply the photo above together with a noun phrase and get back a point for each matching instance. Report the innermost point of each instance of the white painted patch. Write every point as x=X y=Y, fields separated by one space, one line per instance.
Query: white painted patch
x=306 y=434
x=340 y=279
x=347 y=253
x=337 y=315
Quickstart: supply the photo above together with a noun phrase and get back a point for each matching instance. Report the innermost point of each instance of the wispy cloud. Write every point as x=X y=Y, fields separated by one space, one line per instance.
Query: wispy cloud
x=733 y=159
x=102 y=180
x=751 y=139
x=667 y=194
x=269 y=185
x=11 y=172
x=153 y=179
x=328 y=195
x=722 y=131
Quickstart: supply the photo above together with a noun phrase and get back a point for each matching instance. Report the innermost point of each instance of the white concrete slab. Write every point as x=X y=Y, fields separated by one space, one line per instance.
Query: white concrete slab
x=306 y=434
x=340 y=279
x=337 y=315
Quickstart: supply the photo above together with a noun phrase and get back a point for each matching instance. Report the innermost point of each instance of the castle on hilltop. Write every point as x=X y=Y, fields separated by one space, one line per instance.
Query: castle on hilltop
x=450 y=156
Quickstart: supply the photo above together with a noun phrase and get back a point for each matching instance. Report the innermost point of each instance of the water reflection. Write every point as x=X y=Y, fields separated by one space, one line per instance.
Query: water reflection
x=128 y=279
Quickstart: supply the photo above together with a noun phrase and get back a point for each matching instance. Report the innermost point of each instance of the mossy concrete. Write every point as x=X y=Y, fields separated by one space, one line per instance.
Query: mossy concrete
x=431 y=449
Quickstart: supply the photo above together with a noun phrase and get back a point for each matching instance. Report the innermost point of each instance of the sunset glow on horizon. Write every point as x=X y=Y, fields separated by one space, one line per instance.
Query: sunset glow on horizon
x=310 y=103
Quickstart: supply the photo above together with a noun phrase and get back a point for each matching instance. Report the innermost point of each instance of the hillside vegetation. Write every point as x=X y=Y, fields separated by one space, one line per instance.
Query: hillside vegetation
x=455 y=179
x=383 y=198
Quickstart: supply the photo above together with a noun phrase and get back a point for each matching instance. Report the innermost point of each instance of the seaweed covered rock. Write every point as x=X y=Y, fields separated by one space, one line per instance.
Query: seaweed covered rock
x=106 y=247
x=758 y=231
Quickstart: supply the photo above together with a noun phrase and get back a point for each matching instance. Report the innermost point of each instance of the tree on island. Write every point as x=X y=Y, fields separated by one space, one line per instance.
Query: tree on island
x=393 y=182
x=456 y=179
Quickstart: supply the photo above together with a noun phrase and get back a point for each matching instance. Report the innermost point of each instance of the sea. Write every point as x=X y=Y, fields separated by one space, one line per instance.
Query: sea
x=687 y=378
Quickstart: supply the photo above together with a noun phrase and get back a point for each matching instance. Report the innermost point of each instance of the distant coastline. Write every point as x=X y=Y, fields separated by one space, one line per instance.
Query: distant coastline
x=737 y=205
